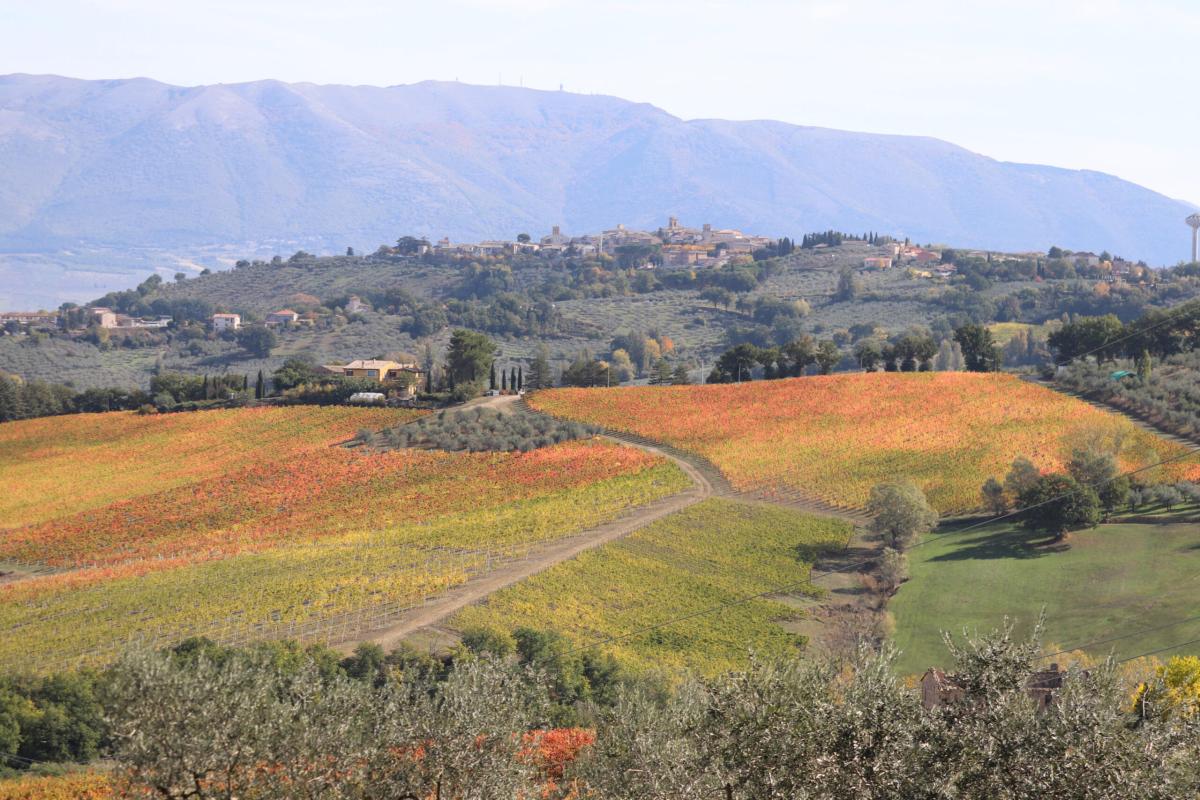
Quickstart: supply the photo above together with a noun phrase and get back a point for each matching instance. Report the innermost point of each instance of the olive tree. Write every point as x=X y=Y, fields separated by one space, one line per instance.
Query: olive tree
x=900 y=513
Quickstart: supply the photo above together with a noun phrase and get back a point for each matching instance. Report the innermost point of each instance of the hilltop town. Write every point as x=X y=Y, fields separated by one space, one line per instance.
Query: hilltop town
x=570 y=299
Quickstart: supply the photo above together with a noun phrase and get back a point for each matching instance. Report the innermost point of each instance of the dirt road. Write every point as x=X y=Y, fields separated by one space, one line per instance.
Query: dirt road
x=438 y=609
x=845 y=599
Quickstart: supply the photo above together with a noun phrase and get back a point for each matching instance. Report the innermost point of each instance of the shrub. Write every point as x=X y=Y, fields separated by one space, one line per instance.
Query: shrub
x=484 y=429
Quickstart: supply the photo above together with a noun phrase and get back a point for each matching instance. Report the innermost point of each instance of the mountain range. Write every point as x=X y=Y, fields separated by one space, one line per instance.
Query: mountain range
x=95 y=175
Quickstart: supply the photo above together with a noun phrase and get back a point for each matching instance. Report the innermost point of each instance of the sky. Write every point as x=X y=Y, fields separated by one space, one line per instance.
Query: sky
x=1090 y=84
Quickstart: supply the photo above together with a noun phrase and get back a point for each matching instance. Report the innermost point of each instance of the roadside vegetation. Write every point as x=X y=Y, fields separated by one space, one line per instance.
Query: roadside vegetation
x=1166 y=393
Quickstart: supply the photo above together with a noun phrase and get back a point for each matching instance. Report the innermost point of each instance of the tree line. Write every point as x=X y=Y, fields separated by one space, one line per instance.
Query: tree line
x=1159 y=333
x=833 y=238
x=280 y=720
x=972 y=348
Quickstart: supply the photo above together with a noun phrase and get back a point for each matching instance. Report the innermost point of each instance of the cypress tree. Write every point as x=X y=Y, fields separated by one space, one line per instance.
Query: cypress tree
x=1145 y=366
x=520 y=378
x=204 y=387
x=492 y=380
x=503 y=381
x=512 y=379
x=260 y=386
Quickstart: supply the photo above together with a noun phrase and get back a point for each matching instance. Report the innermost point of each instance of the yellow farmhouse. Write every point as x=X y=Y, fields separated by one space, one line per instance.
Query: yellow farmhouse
x=407 y=376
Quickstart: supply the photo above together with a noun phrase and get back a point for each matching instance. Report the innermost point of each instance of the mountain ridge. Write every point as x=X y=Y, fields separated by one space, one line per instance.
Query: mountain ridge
x=261 y=165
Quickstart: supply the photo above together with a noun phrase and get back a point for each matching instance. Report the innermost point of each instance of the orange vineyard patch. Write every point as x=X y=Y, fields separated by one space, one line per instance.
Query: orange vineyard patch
x=834 y=437
x=276 y=532
x=57 y=466
x=316 y=494
x=83 y=786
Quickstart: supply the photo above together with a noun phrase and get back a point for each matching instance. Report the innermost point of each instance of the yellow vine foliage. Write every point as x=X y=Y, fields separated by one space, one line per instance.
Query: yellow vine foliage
x=1174 y=691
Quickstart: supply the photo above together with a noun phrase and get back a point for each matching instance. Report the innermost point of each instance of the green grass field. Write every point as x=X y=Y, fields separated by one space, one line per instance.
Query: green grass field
x=1003 y=332
x=711 y=553
x=1114 y=580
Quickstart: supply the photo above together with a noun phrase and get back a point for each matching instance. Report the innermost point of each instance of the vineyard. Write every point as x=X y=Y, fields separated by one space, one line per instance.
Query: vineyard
x=317 y=545
x=77 y=786
x=57 y=466
x=834 y=437
x=709 y=554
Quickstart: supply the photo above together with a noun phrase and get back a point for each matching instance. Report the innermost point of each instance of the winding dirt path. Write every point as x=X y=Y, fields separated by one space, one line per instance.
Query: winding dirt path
x=844 y=602
x=789 y=498
x=436 y=610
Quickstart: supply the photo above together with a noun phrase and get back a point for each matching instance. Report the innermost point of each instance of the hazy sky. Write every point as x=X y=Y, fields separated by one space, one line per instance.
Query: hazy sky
x=1097 y=84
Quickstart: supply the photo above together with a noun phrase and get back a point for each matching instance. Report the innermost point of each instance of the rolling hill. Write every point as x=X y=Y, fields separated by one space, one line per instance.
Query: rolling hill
x=106 y=178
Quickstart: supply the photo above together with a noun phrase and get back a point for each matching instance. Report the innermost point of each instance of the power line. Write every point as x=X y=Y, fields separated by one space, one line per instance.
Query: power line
x=29 y=761
x=1110 y=639
x=1175 y=646
x=1171 y=315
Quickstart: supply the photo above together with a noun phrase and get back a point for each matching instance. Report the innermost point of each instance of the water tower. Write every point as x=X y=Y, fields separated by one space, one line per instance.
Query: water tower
x=1194 y=222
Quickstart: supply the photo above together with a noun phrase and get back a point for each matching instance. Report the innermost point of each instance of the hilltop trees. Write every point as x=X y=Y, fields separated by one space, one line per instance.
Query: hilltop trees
x=257 y=340
x=1097 y=336
x=469 y=359
x=1159 y=333
x=587 y=371
x=848 y=286
x=735 y=365
x=540 y=376
x=410 y=245
x=978 y=347
x=869 y=354
x=621 y=366
x=740 y=362
x=827 y=356
x=914 y=351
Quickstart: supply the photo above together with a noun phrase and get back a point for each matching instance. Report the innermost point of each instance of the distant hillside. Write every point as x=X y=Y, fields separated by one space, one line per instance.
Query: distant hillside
x=98 y=168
